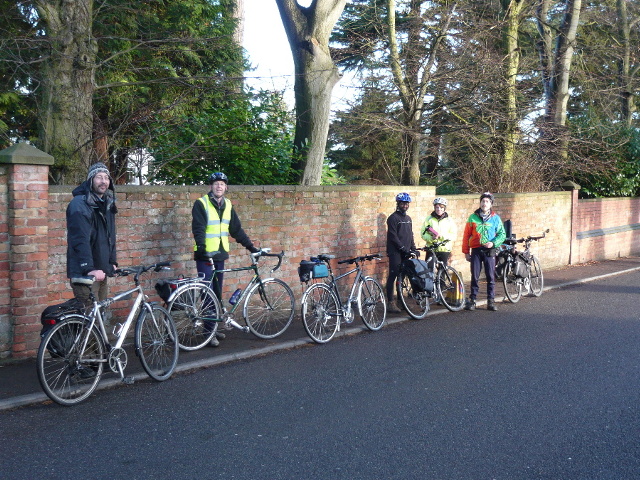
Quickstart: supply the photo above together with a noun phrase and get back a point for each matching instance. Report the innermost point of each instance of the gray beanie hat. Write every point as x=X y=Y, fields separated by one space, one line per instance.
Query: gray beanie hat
x=97 y=168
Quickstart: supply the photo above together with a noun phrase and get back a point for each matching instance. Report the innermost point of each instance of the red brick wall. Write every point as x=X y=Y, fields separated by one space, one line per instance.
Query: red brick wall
x=606 y=228
x=154 y=224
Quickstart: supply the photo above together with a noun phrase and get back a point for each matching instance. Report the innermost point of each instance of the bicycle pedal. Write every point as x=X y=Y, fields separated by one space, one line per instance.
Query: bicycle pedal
x=128 y=380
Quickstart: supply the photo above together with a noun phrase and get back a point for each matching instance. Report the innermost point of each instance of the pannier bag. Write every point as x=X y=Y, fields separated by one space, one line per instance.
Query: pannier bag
x=52 y=313
x=309 y=269
x=305 y=270
x=166 y=286
x=59 y=343
x=420 y=275
x=520 y=269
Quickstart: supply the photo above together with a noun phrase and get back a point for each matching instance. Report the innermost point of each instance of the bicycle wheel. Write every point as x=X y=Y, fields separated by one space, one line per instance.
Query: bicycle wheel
x=269 y=308
x=193 y=309
x=415 y=303
x=512 y=283
x=536 y=278
x=450 y=288
x=70 y=361
x=155 y=342
x=320 y=312
x=372 y=305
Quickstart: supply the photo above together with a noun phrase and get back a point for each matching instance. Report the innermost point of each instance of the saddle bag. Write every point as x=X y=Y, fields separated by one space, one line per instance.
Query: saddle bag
x=420 y=275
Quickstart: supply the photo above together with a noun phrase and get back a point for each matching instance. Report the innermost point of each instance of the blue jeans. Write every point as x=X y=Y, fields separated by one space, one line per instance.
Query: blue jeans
x=480 y=258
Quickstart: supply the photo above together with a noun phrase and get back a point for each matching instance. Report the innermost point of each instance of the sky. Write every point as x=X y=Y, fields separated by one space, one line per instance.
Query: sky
x=268 y=49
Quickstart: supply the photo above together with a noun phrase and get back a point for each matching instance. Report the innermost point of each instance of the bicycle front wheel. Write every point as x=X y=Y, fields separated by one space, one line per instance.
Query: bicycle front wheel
x=70 y=361
x=156 y=344
x=194 y=309
x=536 y=278
x=512 y=283
x=415 y=303
x=320 y=312
x=372 y=305
x=269 y=308
x=450 y=288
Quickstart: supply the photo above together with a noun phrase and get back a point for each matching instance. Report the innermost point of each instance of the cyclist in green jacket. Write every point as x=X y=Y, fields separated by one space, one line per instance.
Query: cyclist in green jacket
x=483 y=234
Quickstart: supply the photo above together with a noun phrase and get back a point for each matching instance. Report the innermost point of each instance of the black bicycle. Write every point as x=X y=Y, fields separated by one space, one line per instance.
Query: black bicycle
x=520 y=270
x=443 y=283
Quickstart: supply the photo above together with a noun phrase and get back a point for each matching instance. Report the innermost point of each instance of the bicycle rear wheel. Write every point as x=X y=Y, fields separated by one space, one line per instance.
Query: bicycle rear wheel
x=415 y=303
x=536 y=278
x=269 y=308
x=512 y=283
x=69 y=373
x=450 y=288
x=156 y=344
x=320 y=312
x=371 y=304
x=193 y=309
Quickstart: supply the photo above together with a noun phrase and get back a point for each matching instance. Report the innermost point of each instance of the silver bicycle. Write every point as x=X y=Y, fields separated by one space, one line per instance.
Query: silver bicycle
x=75 y=353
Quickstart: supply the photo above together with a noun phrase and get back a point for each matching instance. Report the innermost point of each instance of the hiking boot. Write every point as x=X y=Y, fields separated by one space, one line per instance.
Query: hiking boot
x=214 y=342
x=470 y=304
x=220 y=336
x=491 y=305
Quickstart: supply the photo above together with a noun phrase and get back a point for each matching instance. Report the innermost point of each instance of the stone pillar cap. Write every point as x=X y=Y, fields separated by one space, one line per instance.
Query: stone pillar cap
x=25 y=153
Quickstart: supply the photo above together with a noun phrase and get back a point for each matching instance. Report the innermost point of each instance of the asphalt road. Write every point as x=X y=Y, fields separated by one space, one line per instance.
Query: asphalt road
x=545 y=389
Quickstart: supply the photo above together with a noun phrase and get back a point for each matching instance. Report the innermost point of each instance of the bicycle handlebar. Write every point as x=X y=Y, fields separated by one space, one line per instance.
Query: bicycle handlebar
x=140 y=269
x=363 y=258
x=265 y=252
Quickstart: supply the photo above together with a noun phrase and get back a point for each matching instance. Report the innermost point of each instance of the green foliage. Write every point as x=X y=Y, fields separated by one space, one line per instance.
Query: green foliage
x=618 y=147
x=330 y=175
x=249 y=137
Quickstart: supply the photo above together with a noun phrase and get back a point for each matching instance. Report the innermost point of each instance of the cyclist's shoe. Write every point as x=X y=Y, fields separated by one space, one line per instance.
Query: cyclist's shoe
x=470 y=304
x=214 y=342
x=220 y=336
x=491 y=305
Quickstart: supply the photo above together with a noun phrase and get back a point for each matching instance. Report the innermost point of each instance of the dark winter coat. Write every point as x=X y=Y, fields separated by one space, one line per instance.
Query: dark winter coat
x=91 y=232
x=399 y=233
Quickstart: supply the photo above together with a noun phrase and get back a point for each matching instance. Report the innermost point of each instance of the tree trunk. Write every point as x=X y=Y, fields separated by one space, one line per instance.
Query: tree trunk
x=412 y=82
x=554 y=140
x=512 y=9
x=66 y=97
x=308 y=30
x=627 y=105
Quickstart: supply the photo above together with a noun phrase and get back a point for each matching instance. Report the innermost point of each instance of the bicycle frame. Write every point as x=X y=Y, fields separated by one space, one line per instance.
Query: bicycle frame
x=352 y=294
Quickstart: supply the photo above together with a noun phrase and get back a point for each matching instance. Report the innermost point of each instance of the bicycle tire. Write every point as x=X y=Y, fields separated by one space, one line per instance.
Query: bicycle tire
x=512 y=283
x=269 y=308
x=536 y=277
x=372 y=305
x=450 y=288
x=320 y=312
x=415 y=303
x=156 y=344
x=65 y=377
x=193 y=308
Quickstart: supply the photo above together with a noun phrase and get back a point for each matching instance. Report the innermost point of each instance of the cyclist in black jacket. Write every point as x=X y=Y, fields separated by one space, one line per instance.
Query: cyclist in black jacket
x=91 y=232
x=399 y=241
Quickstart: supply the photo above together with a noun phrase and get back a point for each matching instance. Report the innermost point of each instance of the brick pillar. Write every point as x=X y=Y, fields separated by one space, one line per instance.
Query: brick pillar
x=27 y=193
x=574 y=188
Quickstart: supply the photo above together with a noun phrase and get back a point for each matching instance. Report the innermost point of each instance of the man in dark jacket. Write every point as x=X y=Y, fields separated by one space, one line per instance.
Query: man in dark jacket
x=399 y=241
x=91 y=232
x=214 y=220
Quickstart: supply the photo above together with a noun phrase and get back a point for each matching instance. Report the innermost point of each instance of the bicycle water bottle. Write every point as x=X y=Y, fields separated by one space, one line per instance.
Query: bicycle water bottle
x=236 y=295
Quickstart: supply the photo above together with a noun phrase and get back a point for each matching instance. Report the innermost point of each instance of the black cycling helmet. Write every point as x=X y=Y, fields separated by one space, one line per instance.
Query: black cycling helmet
x=214 y=177
x=403 y=197
x=488 y=195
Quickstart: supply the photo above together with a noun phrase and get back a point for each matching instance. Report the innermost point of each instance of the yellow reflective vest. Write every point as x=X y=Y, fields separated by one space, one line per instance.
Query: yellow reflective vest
x=217 y=231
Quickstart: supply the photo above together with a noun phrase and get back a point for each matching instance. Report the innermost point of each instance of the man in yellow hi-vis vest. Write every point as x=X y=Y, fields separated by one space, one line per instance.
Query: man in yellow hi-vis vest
x=214 y=220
